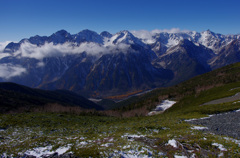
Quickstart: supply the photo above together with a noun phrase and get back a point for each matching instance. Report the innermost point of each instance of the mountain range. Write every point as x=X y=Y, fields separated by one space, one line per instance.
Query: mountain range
x=105 y=64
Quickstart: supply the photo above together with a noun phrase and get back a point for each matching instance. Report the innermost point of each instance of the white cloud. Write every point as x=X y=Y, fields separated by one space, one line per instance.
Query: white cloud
x=172 y=30
x=9 y=70
x=40 y=64
x=121 y=47
x=3 y=45
x=90 y=48
x=50 y=50
x=2 y=55
x=147 y=36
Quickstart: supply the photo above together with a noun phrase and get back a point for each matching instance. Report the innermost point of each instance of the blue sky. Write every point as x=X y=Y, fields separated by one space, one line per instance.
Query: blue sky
x=25 y=18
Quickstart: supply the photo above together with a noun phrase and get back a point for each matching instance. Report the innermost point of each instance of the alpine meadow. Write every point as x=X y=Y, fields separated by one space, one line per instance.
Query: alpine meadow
x=96 y=79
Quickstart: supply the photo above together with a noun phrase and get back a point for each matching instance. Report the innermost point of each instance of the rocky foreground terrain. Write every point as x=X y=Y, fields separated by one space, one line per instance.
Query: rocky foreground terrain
x=222 y=124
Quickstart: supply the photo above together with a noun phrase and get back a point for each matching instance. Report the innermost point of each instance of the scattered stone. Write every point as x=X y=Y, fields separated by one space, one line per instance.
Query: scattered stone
x=222 y=124
x=54 y=155
x=29 y=156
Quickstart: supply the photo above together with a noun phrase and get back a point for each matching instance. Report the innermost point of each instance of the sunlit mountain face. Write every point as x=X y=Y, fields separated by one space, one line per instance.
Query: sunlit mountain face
x=107 y=64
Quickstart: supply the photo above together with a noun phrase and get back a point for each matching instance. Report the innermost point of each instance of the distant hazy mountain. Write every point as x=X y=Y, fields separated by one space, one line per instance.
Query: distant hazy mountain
x=106 y=64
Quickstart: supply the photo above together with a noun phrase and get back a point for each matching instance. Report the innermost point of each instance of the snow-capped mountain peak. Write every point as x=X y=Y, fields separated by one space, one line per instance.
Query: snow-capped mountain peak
x=120 y=37
x=129 y=61
x=214 y=41
x=207 y=38
x=124 y=37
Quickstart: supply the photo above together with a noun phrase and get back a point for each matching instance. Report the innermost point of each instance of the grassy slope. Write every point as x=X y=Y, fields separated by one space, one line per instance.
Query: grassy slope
x=194 y=86
x=29 y=130
x=14 y=96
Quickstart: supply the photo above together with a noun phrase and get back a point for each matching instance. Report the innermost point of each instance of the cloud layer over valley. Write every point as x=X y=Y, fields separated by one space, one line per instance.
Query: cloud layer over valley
x=9 y=70
x=148 y=36
x=50 y=50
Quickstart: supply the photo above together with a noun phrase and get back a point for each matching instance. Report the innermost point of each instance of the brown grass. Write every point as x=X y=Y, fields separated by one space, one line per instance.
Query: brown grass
x=119 y=97
x=54 y=107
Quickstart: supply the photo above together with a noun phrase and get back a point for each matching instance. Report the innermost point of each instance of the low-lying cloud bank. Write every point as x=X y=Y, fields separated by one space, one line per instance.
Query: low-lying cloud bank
x=3 y=45
x=9 y=70
x=147 y=36
x=28 y=50
x=50 y=50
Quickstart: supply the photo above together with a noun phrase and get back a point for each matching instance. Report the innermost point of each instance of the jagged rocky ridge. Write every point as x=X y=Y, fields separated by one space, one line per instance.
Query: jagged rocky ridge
x=106 y=64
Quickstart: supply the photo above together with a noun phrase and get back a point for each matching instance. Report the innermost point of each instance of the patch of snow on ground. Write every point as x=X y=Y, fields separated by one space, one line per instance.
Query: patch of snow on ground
x=194 y=119
x=107 y=144
x=83 y=143
x=40 y=151
x=236 y=102
x=127 y=147
x=177 y=156
x=220 y=146
x=133 y=154
x=63 y=150
x=199 y=128
x=162 y=107
x=132 y=136
x=237 y=110
x=165 y=105
x=221 y=155
x=233 y=140
x=173 y=143
x=234 y=88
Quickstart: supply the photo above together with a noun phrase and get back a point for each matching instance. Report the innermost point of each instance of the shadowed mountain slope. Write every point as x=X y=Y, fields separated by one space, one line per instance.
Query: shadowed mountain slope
x=14 y=97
